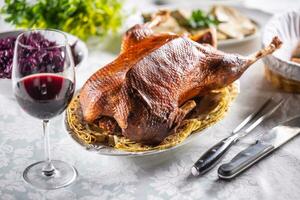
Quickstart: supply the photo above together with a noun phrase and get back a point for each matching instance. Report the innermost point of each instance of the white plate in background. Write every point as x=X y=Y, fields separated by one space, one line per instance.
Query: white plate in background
x=258 y=16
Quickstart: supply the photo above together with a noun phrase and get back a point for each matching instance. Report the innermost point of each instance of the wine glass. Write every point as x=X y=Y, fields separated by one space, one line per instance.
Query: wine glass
x=43 y=80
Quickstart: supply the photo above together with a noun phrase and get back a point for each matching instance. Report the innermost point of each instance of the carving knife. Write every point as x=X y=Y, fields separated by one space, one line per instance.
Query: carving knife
x=270 y=141
x=212 y=156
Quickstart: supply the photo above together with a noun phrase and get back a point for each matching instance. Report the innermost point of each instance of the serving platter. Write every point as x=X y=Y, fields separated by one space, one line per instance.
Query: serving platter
x=110 y=151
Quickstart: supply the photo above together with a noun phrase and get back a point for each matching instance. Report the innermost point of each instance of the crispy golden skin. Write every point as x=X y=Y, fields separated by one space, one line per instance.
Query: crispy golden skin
x=148 y=89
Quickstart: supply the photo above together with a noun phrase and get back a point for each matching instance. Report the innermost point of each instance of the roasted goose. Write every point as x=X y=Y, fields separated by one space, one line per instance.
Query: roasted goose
x=148 y=89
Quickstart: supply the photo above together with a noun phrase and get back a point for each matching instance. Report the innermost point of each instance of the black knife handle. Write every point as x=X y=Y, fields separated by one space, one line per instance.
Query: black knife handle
x=211 y=157
x=244 y=160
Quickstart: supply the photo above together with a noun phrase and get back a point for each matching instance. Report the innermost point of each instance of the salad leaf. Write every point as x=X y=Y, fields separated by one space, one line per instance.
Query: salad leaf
x=200 y=19
x=83 y=18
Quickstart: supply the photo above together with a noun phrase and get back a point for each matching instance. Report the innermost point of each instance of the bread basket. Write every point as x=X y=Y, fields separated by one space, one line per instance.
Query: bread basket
x=279 y=70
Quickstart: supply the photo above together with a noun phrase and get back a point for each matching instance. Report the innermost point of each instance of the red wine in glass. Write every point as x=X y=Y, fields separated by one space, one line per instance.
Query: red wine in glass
x=43 y=80
x=45 y=95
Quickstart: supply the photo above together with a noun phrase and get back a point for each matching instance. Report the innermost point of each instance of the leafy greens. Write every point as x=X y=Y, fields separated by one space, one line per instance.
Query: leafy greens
x=83 y=18
x=199 y=19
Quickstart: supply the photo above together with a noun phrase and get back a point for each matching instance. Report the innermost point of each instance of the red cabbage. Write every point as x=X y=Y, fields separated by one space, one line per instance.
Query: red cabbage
x=36 y=60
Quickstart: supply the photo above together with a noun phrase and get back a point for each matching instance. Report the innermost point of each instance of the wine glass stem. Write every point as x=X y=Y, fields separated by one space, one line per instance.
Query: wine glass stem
x=48 y=169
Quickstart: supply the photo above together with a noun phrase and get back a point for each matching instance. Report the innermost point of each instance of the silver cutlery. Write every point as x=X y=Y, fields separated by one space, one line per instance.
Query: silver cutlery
x=270 y=141
x=211 y=157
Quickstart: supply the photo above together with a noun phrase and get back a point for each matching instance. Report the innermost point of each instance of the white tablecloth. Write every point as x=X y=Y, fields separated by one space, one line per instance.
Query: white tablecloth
x=156 y=177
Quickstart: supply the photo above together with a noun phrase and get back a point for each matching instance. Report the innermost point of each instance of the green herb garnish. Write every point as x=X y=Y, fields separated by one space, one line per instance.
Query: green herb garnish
x=200 y=19
x=83 y=18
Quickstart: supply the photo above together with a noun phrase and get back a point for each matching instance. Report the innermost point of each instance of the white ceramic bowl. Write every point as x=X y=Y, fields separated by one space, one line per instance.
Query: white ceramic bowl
x=287 y=27
x=80 y=50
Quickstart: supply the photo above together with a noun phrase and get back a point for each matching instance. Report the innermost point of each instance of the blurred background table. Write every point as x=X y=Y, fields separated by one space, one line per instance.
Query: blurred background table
x=162 y=176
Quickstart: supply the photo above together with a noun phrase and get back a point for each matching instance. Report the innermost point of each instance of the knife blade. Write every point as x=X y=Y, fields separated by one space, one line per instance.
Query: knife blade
x=270 y=141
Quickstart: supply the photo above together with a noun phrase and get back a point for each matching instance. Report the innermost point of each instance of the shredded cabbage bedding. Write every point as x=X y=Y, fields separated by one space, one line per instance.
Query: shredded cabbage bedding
x=216 y=105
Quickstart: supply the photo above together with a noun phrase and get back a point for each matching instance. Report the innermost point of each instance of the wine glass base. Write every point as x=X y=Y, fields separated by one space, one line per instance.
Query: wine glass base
x=64 y=175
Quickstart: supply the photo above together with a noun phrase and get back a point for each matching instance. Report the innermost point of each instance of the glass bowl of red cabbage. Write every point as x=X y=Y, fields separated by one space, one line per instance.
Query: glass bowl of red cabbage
x=7 y=43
